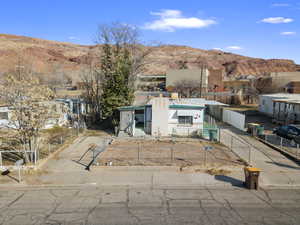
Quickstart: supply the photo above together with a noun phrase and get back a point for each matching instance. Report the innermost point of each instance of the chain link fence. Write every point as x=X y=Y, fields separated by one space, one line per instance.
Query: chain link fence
x=284 y=144
x=167 y=152
x=240 y=147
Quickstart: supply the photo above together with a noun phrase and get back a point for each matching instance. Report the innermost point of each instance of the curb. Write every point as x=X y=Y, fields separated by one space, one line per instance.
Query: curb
x=285 y=153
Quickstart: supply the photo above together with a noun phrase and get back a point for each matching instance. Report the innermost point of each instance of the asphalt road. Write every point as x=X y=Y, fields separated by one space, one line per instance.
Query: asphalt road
x=110 y=206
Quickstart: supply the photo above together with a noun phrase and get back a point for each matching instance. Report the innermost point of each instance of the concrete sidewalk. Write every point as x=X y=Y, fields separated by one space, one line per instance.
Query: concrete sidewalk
x=63 y=170
x=277 y=170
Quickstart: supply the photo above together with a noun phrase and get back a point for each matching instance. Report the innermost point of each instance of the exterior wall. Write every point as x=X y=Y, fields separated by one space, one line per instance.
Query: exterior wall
x=5 y=122
x=216 y=111
x=266 y=102
x=160 y=115
x=281 y=79
x=266 y=105
x=215 y=79
x=148 y=119
x=174 y=128
x=126 y=121
x=234 y=118
x=174 y=76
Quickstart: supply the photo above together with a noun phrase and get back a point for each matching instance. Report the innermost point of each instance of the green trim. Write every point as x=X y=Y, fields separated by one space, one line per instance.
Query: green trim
x=185 y=107
x=131 y=108
x=141 y=107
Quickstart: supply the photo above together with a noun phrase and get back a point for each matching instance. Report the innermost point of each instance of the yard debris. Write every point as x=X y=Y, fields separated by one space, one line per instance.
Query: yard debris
x=214 y=172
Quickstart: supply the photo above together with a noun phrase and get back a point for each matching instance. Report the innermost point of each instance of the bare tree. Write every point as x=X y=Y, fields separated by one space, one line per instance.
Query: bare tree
x=27 y=99
x=187 y=88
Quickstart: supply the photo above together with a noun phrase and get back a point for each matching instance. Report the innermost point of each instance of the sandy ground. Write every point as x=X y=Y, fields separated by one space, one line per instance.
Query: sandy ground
x=166 y=153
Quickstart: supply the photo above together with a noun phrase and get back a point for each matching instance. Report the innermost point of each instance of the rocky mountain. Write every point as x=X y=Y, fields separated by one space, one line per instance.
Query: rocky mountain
x=47 y=57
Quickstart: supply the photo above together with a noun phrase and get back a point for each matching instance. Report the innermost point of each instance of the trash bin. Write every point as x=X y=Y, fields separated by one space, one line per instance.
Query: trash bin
x=251 y=177
x=213 y=135
x=260 y=130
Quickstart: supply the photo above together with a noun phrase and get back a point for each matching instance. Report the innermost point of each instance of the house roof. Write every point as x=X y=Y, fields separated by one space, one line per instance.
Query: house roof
x=131 y=108
x=180 y=103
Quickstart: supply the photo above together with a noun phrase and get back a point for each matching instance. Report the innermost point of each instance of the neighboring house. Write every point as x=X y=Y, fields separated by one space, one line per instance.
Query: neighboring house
x=164 y=117
x=75 y=105
x=5 y=116
x=59 y=115
x=282 y=107
x=174 y=77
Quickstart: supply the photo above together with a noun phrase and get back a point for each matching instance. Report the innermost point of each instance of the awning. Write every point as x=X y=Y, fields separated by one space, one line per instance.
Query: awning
x=185 y=113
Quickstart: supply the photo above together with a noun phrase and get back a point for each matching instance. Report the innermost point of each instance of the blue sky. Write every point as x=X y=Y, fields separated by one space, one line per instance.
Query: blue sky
x=257 y=28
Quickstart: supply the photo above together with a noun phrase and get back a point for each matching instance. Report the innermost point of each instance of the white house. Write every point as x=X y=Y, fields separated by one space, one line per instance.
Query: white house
x=164 y=117
x=281 y=106
x=59 y=117
x=5 y=116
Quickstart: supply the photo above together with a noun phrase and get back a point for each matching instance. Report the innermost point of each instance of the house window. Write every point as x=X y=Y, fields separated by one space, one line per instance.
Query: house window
x=3 y=115
x=187 y=120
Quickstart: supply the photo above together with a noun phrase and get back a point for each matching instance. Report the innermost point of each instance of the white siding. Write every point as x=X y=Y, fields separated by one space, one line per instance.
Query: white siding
x=160 y=107
x=234 y=118
x=179 y=129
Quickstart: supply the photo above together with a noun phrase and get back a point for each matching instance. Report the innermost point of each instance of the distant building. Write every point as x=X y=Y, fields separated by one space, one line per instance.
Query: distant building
x=282 y=79
x=215 y=80
x=5 y=116
x=174 y=77
x=146 y=82
x=283 y=108
x=293 y=87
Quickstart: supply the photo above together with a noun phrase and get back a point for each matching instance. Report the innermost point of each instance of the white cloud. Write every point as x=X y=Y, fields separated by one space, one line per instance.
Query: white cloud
x=234 y=47
x=281 y=5
x=288 y=33
x=276 y=20
x=73 y=38
x=218 y=49
x=170 y=20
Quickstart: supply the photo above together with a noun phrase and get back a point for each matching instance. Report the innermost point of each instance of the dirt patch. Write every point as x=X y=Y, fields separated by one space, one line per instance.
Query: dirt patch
x=166 y=153
x=218 y=172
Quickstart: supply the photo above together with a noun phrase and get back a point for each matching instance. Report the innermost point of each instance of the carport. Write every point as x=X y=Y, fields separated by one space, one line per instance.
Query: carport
x=286 y=111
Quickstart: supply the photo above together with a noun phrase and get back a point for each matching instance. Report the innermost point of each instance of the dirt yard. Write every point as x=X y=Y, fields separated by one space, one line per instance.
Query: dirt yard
x=166 y=153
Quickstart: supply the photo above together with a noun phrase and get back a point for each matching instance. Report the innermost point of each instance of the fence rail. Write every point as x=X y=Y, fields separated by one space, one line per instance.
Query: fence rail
x=240 y=147
x=283 y=144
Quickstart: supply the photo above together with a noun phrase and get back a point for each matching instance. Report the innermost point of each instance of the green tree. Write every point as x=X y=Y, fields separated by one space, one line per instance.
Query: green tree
x=122 y=57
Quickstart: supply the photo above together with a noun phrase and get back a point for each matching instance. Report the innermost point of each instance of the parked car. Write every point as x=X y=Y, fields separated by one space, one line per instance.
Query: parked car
x=290 y=132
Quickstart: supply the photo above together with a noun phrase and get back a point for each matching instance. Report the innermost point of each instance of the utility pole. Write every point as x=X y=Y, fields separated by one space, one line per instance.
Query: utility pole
x=201 y=78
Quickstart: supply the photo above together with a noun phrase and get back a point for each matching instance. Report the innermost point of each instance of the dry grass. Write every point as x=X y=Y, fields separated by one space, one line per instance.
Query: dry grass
x=96 y=133
x=63 y=93
x=218 y=172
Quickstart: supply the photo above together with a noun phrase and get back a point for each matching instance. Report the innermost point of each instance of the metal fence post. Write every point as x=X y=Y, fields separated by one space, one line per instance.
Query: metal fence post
x=35 y=158
x=281 y=141
x=139 y=152
x=249 y=155
x=19 y=167
x=172 y=153
x=205 y=158
x=61 y=140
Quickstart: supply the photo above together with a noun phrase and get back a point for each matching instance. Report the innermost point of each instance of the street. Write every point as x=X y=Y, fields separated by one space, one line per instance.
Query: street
x=95 y=205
